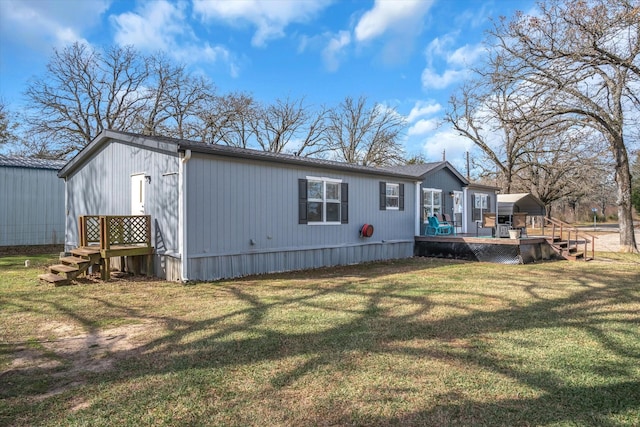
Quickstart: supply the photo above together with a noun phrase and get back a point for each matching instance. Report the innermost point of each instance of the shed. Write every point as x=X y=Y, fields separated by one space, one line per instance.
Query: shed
x=220 y=211
x=509 y=204
x=31 y=202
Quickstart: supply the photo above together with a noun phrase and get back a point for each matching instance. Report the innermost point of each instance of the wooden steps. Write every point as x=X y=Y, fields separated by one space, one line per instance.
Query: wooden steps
x=567 y=250
x=78 y=263
x=71 y=266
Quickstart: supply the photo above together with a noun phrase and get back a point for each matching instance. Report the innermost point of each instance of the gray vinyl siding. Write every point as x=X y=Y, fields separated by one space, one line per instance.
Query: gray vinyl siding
x=102 y=186
x=31 y=207
x=234 y=202
x=443 y=180
x=471 y=192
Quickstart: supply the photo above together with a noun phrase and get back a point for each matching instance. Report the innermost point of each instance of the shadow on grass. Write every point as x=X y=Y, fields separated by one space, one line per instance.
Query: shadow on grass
x=373 y=326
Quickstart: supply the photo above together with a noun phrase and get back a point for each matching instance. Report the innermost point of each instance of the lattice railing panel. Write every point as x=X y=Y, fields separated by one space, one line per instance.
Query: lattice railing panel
x=89 y=230
x=128 y=230
x=92 y=229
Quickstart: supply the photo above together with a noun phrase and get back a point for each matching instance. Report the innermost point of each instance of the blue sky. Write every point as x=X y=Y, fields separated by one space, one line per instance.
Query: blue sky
x=408 y=54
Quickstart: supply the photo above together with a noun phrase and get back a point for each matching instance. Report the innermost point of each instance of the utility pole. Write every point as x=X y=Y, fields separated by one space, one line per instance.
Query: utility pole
x=468 y=171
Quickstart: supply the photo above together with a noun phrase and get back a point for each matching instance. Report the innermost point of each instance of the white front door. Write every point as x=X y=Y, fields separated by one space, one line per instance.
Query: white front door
x=137 y=194
x=458 y=216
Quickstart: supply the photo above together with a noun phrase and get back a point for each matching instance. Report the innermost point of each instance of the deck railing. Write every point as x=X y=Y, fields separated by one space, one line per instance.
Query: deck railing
x=115 y=230
x=89 y=230
x=562 y=231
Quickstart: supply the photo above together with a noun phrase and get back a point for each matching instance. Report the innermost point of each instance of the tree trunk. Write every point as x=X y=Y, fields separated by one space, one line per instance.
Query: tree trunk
x=625 y=210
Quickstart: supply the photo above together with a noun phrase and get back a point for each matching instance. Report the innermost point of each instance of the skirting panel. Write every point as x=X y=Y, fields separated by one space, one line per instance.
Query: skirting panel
x=229 y=266
x=521 y=253
x=168 y=267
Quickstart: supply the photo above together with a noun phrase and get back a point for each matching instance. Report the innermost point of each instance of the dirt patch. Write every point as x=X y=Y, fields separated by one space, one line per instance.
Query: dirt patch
x=70 y=358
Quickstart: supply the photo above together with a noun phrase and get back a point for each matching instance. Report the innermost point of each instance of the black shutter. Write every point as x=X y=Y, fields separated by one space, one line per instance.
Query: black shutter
x=383 y=196
x=302 y=201
x=475 y=213
x=344 y=203
x=401 y=201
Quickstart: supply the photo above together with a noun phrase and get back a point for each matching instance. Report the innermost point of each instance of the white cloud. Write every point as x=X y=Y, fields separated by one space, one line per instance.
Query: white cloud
x=456 y=63
x=448 y=141
x=466 y=55
x=433 y=80
x=269 y=17
x=161 y=25
x=334 y=51
x=154 y=27
x=39 y=25
x=423 y=108
x=398 y=16
x=423 y=127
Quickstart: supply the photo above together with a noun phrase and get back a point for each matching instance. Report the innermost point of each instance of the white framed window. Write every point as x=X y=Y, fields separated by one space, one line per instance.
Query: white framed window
x=323 y=200
x=480 y=205
x=392 y=198
x=431 y=202
x=481 y=201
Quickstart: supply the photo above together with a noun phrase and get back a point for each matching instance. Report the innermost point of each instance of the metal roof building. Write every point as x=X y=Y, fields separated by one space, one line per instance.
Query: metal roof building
x=31 y=202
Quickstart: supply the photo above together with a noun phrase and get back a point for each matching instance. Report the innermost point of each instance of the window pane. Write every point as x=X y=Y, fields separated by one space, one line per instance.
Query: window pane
x=428 y=197
x=333 y=212
x=393 y=190
x=392 y=202
x=333 y=191
x=314 y=211
x=314 y=190
x=436 y=198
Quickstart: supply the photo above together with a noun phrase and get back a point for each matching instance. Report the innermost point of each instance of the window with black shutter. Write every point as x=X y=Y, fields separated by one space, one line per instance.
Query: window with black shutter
x=391 y=196
x=323 y=201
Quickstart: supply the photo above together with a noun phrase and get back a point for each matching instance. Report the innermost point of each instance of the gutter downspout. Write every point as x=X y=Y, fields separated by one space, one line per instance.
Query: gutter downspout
x=417 y=209
x=182 y=214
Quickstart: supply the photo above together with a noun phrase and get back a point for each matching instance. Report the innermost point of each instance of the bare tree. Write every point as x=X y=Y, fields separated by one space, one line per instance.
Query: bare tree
x=490 y=116
x=174 y=100
x=289 y=126
x=365 y=136
x=579 y=59
x=553 y=169
x=8 y=125
x=85 y=91
x=227 y=120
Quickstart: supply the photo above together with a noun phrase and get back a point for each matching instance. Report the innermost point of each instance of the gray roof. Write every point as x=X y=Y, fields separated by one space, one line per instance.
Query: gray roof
x=181 y=145
x=520 y=202
x=31 y=163
x=422 y=170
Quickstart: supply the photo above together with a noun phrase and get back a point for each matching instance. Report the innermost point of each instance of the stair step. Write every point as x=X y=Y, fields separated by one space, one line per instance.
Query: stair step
x=85 y=251
x=62 y=268
x=55 y=279
x=74 y=260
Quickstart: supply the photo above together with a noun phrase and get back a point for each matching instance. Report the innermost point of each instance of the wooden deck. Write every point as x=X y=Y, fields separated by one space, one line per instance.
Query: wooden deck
x=101 y=239
x=555 y=239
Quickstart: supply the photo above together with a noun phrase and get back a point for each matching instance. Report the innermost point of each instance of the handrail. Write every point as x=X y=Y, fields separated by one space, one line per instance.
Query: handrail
x=108 y=230
x=563 y=226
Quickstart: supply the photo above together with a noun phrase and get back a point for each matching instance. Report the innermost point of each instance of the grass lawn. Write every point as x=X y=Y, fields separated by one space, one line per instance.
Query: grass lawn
x=412 y=342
